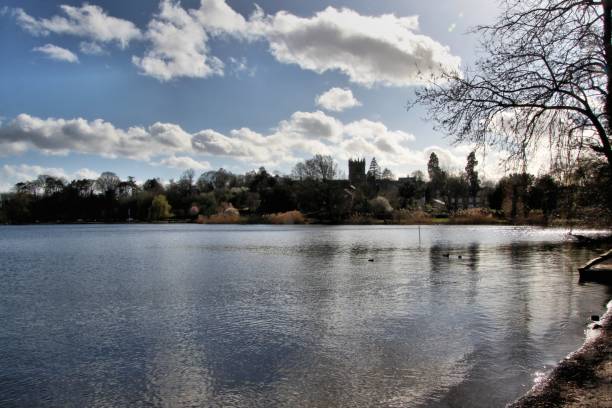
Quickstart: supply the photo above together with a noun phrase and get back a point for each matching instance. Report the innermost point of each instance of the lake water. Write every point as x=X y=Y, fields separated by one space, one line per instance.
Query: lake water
x=263 y=316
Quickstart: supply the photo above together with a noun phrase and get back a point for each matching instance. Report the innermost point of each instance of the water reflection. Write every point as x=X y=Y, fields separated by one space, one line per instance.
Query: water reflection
x=291 y=316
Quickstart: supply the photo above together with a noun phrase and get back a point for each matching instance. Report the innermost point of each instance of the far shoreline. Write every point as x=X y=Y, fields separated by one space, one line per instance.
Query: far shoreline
x=263 y=221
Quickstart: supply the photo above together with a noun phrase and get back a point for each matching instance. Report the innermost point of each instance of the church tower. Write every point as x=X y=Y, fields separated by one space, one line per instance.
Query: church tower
x=357 y=171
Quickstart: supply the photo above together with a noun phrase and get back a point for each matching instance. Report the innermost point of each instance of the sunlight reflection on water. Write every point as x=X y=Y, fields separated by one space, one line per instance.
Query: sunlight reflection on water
x=176 y=315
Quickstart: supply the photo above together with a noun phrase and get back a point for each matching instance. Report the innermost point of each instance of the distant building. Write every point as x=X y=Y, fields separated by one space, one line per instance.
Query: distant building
x=357 y=171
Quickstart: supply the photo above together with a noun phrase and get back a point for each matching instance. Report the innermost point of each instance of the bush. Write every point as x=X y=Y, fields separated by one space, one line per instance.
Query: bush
x=473 y=216
x=227 y=214
x=380 y=206
x=411 y=217
x=219 y=219
x=289 y=217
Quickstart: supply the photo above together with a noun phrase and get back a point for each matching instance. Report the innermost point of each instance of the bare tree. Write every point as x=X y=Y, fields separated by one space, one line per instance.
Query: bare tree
x=107 y=182
x=543 y=80
x=318 y=167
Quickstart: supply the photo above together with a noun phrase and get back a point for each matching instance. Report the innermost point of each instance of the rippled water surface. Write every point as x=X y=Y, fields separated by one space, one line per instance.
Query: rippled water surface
x=262 y=316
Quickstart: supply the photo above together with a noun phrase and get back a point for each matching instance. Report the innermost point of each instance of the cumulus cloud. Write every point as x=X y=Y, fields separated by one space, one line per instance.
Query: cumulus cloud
x=13 y=174
x=311 y=125
x=57 y=53
x=178 y=46
x=383 y=49
x=218 y=18
x=337 y=100
x=89 y=21
x=300 y=136
x=62 y=136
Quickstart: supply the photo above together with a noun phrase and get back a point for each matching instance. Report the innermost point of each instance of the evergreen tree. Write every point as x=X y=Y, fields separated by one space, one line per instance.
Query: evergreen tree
x=433 y=166
x=472 y=174
x=374 y=170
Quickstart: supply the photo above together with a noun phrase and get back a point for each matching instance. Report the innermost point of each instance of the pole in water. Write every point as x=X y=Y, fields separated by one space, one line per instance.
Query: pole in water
x=419 y=235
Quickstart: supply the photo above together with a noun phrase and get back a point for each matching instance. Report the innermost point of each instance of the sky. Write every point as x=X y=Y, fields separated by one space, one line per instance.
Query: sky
x=150 y=88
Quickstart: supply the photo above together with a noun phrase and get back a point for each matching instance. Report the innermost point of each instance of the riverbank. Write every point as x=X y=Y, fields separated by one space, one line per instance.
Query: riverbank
x=584 y=378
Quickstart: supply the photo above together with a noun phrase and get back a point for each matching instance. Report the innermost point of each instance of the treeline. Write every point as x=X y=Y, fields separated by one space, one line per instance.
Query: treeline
x=314 y=192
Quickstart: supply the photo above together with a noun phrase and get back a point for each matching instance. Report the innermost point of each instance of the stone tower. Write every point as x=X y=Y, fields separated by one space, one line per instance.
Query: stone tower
x=357 y=171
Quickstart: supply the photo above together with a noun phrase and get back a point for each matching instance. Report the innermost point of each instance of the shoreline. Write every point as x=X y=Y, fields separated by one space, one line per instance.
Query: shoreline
x=430 y=222
x=583 y=378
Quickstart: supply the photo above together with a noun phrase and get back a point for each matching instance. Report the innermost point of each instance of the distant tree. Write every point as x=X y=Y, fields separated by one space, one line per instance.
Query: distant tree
x=544 y=195
x=84 y=187
x=107 y=183
x=153 y=186
x=418 y=175
x=433 y=166
x=388 y=174
x=515 y=189
x=186 y=183
x=300 y=172
x=318 y=167
x=261 y=180
x=437 y=176
x=50 y=185
x=374 y=172
x=278 y=198
x=160 y=208
x=472 y=175
x=456 y=192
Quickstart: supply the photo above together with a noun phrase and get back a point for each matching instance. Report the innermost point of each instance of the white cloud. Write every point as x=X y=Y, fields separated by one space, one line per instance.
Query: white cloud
x=178 y=46
x=13 y=174
x=92 y=48
x=311 y=125
x=369 y=49
x=218 y=18
x=89 y=21
x=384 y=49
x=337 y=100
x=57 y=53
x=61 y=136
x=300 y=136
x=184 y=162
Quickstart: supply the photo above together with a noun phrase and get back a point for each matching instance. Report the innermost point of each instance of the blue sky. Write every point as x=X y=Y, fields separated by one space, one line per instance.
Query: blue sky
x=150 y=88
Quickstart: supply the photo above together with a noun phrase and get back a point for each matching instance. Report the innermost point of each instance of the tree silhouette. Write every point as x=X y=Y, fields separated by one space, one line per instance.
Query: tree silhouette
x=374 y=172
x=472 y=175
x=544 y=80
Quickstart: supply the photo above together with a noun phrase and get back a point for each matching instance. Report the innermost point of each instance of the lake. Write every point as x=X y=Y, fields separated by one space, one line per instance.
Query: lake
x=262 y=316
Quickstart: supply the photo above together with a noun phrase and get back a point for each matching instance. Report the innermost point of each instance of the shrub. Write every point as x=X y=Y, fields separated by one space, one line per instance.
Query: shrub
x=412 y=217
x=289 y=217
x=473 y=216
x=226 y=214
x=380 y=206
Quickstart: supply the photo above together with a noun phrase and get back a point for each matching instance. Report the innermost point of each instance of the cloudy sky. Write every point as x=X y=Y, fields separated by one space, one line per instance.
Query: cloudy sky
x=149 y=88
